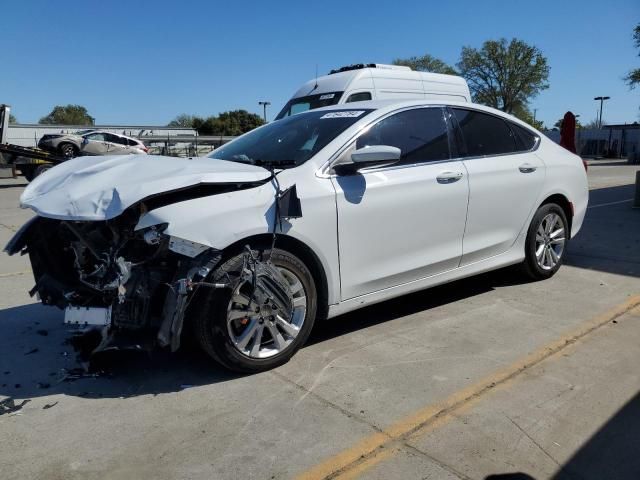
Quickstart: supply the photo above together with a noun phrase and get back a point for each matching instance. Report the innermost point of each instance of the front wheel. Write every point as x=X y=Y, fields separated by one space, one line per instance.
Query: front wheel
x=248 y=334
x=546 y=242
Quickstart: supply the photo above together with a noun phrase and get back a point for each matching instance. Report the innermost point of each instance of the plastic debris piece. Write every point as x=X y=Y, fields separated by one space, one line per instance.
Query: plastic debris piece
x=9 y=405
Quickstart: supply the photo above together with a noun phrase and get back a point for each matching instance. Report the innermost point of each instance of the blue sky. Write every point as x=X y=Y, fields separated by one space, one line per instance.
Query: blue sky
x=141 y=62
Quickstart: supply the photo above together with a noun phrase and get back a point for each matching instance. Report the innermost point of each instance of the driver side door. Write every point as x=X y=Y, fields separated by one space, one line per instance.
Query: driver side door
x=403 y=222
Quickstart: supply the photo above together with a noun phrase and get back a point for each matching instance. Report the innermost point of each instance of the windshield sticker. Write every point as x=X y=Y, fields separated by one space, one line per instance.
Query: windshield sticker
x=345 y=114
x=327 y=96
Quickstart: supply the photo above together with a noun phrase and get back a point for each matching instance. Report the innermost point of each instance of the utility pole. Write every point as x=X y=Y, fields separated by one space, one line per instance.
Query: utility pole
x=602 y=99
x=535 y=110
x=264 y=109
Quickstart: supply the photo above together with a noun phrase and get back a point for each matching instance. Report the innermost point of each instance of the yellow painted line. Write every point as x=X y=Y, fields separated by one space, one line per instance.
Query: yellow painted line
x=14 y=274
x=380 y=445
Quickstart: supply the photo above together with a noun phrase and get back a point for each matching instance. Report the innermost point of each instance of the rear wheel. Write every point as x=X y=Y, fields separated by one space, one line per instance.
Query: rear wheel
x=248 y=335
x=68 y=150
x=546 y=242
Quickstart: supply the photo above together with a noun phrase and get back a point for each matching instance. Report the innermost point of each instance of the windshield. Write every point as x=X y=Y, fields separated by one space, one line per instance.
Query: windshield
x=82 y=132
x=302 y=104
x=289 y=142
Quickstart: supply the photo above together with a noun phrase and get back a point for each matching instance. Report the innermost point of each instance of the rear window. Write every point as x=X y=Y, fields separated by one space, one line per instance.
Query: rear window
x=310 y=102
x=484 y=134
x=525 y=139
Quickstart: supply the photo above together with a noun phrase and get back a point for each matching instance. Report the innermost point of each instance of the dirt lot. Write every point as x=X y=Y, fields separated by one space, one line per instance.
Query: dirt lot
x=486 y=376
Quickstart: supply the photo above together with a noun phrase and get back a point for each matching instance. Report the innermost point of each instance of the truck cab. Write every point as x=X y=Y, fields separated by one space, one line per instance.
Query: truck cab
x=361 y=82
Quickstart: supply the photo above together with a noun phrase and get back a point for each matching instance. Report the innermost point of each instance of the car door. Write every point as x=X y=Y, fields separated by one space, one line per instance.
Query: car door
x=94 y=144
x=406 y=221
x=116 y=145
x=505 y=181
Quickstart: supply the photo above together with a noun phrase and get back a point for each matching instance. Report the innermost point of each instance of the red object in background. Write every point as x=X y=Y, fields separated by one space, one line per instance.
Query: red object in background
x=568 y=132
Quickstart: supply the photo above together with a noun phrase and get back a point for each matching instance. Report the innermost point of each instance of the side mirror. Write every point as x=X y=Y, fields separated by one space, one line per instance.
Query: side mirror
x=376 y=154
x=368 y=157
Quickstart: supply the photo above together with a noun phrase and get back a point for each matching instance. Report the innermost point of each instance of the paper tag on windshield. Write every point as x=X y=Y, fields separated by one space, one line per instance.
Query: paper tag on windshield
x=327 y=96
x=345 y=114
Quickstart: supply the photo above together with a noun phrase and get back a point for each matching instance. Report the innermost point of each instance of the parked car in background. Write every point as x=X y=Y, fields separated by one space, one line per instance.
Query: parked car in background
x=306 y=218
x=91 y=142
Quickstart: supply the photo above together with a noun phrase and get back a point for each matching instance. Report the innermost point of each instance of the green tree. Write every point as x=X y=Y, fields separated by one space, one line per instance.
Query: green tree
x=184 y=120
x=68 y=115
x=633 y=77
x=426 y=63
x=234 y=122
x=523 y=113
x=12 y=118
x=504 y=74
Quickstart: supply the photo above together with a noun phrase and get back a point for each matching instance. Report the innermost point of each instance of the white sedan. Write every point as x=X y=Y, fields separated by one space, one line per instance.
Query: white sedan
x=303 y=219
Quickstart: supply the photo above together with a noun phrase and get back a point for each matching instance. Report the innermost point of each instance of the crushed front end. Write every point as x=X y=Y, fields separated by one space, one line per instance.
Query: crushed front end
x=104 y=274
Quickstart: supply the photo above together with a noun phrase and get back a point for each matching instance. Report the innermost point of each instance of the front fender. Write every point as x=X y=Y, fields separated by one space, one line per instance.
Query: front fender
x=219 y=220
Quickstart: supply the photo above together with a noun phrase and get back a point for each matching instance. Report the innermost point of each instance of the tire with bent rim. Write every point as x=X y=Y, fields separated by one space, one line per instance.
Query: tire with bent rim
x=546 y=243
x=230 y=330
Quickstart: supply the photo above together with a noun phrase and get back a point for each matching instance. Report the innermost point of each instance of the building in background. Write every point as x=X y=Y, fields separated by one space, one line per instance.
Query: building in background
x=614 y=141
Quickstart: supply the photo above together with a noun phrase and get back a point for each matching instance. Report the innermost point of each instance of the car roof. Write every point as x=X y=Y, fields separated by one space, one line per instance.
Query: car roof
x=107 y=131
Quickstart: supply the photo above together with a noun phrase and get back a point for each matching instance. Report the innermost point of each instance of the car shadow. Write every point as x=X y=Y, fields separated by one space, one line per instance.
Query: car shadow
x=38 y=359
x=609 y=240
x=415 y=302
x=611 y=452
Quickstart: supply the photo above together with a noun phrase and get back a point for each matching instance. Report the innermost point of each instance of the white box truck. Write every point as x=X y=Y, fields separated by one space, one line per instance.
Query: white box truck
x=374 y=81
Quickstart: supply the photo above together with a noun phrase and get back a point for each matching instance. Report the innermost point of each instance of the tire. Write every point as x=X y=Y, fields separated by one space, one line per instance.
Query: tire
x=552 y=243
x=68 y=150
x=40 y=170
x=215 y=334
x=28 y=171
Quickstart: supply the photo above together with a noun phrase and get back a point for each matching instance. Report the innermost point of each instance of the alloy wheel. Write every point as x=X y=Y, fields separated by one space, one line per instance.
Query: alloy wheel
x=258 y=329
x=67 y=151
x=550 y=241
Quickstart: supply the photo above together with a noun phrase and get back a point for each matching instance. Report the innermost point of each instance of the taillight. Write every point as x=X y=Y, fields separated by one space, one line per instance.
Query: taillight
x=146 y=150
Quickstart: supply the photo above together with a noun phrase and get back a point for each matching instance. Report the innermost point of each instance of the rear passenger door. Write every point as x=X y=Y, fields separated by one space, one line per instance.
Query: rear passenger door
x=505 y=181
x=116 y=145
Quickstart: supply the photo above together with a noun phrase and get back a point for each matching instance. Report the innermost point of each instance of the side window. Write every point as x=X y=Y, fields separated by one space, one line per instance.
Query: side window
x=420 y=134
x=359 y=97
x=115 y=139
x=525 y=139
x=95 y=137
x=484 y=134
x=132 y=143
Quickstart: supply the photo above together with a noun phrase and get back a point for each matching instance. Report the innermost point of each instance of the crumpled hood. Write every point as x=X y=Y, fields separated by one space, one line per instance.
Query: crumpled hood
x=101 y=188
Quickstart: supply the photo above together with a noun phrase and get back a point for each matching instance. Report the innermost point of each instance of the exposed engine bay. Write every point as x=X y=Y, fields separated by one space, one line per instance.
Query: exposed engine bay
x=137 y=284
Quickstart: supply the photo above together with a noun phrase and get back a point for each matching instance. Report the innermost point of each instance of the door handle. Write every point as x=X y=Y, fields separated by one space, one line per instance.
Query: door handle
x=449 y=177
x=527 y=168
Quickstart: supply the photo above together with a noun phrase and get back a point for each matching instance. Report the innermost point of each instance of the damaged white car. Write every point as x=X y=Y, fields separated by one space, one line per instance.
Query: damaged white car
x=302 y=219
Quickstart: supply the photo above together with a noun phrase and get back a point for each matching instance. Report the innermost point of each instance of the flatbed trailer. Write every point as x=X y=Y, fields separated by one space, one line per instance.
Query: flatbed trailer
x=31 y=162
